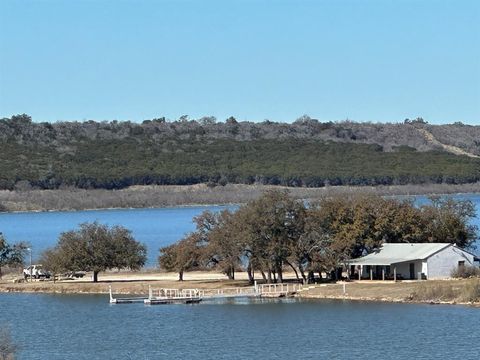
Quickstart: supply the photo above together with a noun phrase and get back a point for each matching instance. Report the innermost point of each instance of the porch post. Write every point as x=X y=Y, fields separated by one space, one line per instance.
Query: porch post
x=383 y=273
x=395 y=274
x=360 y=273
x=371 y=273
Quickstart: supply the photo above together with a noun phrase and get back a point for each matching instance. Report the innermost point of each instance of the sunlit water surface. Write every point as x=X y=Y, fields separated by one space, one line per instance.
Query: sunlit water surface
x=153 y=227
x=87 y=327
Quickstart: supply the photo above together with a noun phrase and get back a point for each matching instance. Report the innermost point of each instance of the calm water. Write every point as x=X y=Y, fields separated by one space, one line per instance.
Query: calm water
x=154 y=227
x=87 y=327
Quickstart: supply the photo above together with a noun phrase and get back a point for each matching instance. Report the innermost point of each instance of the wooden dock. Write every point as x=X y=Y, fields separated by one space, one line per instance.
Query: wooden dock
x=194 y=296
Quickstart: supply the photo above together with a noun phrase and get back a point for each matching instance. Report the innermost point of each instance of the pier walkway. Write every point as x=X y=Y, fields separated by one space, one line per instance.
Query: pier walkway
x=189 y=296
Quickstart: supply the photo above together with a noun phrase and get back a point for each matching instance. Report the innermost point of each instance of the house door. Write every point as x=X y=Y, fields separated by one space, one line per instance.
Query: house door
x=412 y=271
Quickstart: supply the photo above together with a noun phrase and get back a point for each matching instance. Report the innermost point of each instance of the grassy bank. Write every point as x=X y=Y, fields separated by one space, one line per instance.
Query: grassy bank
x=465 y=291
x=163 y=196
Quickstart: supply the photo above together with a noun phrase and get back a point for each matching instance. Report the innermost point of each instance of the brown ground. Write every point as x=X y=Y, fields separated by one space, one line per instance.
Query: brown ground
x=137 y=283
x=125 y=283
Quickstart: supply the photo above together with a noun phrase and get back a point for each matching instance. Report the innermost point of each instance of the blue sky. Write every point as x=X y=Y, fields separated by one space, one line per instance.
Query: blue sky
x=134 y=60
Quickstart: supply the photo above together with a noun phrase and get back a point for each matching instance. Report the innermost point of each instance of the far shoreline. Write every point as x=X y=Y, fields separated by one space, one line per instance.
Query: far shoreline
x=201 y=195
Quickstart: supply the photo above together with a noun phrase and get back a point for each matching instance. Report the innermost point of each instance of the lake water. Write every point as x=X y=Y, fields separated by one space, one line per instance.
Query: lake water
x=153 y=227
x=87 y=327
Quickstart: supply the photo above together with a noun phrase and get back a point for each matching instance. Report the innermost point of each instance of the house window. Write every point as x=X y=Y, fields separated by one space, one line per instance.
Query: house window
x=461 y=264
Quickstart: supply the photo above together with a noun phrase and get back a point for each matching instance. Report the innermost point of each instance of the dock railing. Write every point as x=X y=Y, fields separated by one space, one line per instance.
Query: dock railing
x=282 y=289
x=263 y=290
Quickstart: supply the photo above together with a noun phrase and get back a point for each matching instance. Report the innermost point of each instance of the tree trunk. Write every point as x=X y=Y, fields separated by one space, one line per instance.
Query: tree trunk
x=339 y=273
x=311 y=277
x=180 y=275
x=95 y=276
x=280 y=274
x=230 y=273
x=251 y=276
x=1 y=273
x=264 y=276
x=269 y=275
x=302 y=272
x=294 y=270
x=333 y=275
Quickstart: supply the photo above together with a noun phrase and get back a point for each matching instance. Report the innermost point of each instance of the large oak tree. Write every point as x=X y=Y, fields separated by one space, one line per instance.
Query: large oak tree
x=96 y=247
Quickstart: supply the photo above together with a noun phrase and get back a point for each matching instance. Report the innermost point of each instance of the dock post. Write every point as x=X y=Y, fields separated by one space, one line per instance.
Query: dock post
x=110 y=291
x=150 y=292
x=255 y=286
x=344 y=289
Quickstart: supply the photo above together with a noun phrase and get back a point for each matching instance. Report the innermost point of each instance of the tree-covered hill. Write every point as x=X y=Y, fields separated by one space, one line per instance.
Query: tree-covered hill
x=115 y=154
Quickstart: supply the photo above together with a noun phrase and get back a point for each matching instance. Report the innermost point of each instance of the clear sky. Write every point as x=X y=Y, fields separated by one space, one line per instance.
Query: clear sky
x=371 y=60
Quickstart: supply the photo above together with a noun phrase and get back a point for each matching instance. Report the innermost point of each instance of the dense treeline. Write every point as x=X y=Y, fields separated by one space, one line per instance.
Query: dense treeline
x=114 y=155
x=275 y=231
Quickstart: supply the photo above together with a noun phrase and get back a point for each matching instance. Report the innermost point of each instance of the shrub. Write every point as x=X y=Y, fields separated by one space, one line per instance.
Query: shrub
x=464 y=272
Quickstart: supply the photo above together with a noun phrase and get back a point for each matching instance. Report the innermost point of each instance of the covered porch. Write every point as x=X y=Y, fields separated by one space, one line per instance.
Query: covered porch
x=376 y=270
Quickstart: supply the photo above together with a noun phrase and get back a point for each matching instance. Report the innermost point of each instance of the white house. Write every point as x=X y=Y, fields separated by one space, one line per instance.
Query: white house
x=412 y=261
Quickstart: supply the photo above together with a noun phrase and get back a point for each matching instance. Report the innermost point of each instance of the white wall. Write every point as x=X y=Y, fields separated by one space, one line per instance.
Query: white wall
x=441 y=264
x=403 y=269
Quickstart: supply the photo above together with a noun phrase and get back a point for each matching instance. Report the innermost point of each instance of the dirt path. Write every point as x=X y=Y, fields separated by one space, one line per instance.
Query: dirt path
x=450 y=148
x=126 y=283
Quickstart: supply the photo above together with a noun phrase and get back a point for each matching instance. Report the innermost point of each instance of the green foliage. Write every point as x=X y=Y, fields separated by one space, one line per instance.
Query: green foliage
x=11 y=255
x=95 y=247
x=307 y=153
